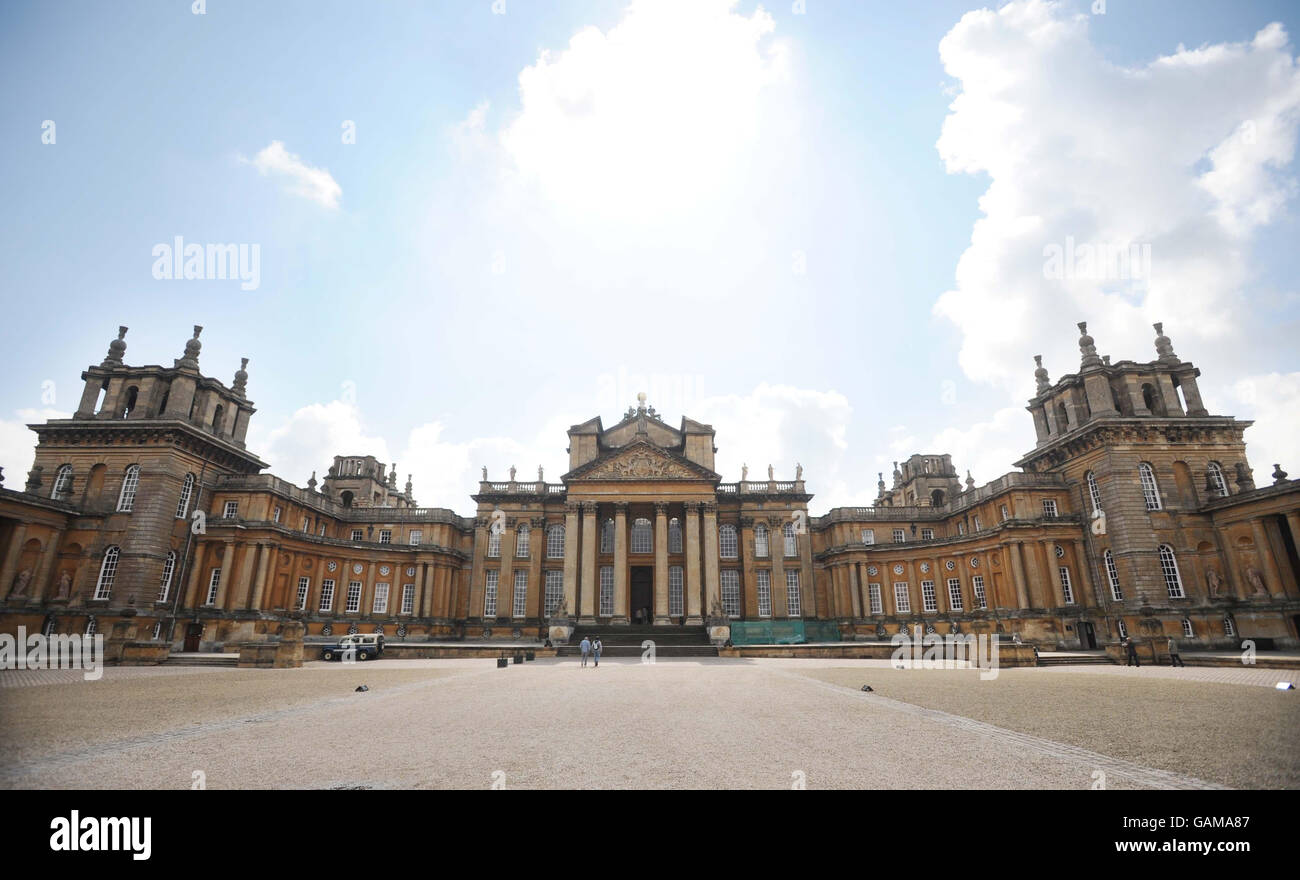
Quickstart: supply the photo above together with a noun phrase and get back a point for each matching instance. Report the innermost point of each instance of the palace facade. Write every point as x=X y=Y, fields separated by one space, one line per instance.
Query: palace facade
x=1136 y=513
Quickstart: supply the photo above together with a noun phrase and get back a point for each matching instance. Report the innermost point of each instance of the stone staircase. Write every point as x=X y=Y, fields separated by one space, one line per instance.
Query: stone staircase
x=625 y=641
x=212 y=661
x=1068 y=658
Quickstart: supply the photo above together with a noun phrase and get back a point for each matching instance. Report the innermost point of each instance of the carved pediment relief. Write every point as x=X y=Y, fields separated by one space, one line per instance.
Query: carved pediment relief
x=642 y=462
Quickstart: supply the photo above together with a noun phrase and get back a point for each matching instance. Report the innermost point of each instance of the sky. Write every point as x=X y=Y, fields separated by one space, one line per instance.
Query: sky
x=824 y=228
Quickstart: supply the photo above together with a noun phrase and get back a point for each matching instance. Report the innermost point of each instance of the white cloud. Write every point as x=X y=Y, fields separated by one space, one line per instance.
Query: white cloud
x=987 y=449
x=1184 y=153
x=301 y=179
x=1273 y=400
x=311 y=438
x=18 y=445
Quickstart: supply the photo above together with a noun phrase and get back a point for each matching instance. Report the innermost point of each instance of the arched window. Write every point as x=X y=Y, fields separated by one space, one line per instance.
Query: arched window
x=346 y=498
x=1094 y=491
x=674 y=535
x=760 y=541
x=1214 y=477
x=555 y=542
x=1169 y=568
x=791 y=545
x=1152 y=400
x=169 y=568
x=130 y=482
x=727 y=547
x=607 y=536
x=1188 y=632
x=494 y=539
x=107 y=572
x=1150 y=491
x=642 y=536
x=522 y=534
x=187 y=492
x=62 y=481
x=1112 y=575
x=936 y=498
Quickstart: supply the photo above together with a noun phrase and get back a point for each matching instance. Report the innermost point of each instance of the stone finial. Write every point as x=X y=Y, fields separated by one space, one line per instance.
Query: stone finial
x=392 y=477
x=1105 y=359
x=970 y=482
x=116 y=349
x=1087 y=345
x=640 y=401
x=409 y=487
x=2 y=476
x=1164 y=347
x=1279 y=475
x=1245 y=482
x=311 y=484
x=192 y=348
x=1040 y=374
x=34 y=480
x=241 y=378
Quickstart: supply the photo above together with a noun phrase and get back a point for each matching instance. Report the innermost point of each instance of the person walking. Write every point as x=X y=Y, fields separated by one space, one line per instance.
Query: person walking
x=1132 y=653
x=596 y=647
x=1175 y=659
x=585 y=647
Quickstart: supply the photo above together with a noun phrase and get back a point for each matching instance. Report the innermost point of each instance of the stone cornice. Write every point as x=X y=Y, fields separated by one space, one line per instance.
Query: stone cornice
x=1110 y=431
x=128 y=433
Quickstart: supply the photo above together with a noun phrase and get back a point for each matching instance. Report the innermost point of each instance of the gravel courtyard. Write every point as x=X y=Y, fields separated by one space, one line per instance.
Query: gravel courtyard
x=674 y=724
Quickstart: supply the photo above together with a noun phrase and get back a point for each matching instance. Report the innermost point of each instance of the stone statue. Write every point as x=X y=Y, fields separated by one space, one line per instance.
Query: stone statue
x=485 y=473
x=21 y=581
x=770 y=474
x=1215 y=582
x=1257 y=581
x=512 y=473
x=798 y=471
x=744 y=473
x=540 y=478
x=65 y=586
x=562 y=610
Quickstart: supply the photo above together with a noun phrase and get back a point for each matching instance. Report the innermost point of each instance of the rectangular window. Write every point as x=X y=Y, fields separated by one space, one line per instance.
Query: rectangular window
x=606 y=591
x=1006 y=514
x=554 y=591
x=977 y=583
x=555 y=542
x=1229 y=629
x=899 y=536
x=764 y=580
x=954 y=593
x=1123 y=630
x=929 y=601
x=868 y=536
x=520 y=599
x=354 y=598
x=380 y=605
x=927 y=534
x=793 y=599
x=791 y=542
x=232 y=510
x=322 y=530
x=873 y=595
x=408 y=598
x=728 y=547
x=358 y=534
x=675 y=591
x=975 y=522
x=731 y=592
x=1067 y=589
x=961 y=527
x=760 y=542
x=522 y=534
x=275 y=517
x=385 y=536
x=902 y=600
x=304 y=584
x=494 y=542
x=1049 y=507
x=214 y=583
x=327 y=595
x=490 y=594
x=416 y=537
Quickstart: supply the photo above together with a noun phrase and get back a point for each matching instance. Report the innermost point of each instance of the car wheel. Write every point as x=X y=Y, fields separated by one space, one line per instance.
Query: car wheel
x=327 y=655
x=363 y=655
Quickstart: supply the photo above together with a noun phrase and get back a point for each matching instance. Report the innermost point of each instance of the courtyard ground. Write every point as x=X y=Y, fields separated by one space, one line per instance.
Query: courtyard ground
x=765 y=723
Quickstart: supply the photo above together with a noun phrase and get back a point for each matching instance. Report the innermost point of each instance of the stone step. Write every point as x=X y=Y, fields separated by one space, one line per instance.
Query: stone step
x=635 y=651
x=217 y=660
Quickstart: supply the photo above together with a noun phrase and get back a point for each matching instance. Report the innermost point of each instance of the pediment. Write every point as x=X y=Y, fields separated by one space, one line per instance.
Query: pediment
x=640 y=461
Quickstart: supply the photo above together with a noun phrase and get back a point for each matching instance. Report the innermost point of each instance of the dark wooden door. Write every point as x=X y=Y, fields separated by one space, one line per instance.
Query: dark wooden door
x=193 y=636
x=641 y=590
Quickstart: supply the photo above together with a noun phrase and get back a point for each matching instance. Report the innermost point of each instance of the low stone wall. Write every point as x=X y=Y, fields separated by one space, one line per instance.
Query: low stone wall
x=1009 y=654
x=441 y=651
x=141 y=653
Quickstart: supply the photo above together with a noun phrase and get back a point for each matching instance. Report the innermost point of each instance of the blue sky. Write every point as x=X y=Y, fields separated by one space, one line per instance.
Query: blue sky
x=771 y=221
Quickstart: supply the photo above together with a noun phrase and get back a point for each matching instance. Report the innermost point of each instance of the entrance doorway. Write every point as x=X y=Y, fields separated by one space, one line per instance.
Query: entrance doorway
x=1087 y=636
x=641 y=604
x=193 y=636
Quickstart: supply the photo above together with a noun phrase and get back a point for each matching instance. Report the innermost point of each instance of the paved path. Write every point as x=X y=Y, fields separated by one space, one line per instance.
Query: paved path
x=673 y=724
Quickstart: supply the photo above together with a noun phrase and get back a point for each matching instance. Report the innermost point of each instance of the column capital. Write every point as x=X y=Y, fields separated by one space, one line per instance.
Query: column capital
x=620 y=508
x=776 y=521
x=661 y=508
x=538 y=522
x=709 y=507
x=589 y=507
x=692 y=506
x=572 y=506
x=746 y=522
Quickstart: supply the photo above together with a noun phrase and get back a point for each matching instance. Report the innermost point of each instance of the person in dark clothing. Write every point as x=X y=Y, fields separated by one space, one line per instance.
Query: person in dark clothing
x=1132 y=648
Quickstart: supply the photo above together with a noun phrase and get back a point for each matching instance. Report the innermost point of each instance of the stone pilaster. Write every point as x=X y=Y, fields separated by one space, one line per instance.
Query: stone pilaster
x=776 y=551
x=571 y=556
x=661 y=564
x=590 y=585
x=620 y=563
x=259 y=584
x=693 y=585
x=711 y=576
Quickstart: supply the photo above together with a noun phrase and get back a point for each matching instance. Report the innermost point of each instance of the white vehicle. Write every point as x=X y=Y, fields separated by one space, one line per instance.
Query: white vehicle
x=362 y=646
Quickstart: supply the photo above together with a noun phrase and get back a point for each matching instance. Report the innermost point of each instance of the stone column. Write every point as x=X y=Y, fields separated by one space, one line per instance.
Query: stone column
x=661 y=564
x=259 y=584
x=1085 y=576
x=368 y=590
x=855 y=589
x=887 y=601
x=693 y=615
x=478 y=570
x=571 y=556
x=191 y=599
x=1018 y=575
x=227 y=574
x=711 y=576
x=807 y=588
x=1272 y=577
x=749 y=571
x=506 y=584
x=48 y=556
x=590 y=586
x=620 y=563
x=12 y=557
x=776 y=552
x=536 y=550
x=426 y=593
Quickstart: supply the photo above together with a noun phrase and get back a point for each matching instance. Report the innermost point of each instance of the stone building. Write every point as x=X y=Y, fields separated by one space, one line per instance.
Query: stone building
x=1136 y=513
